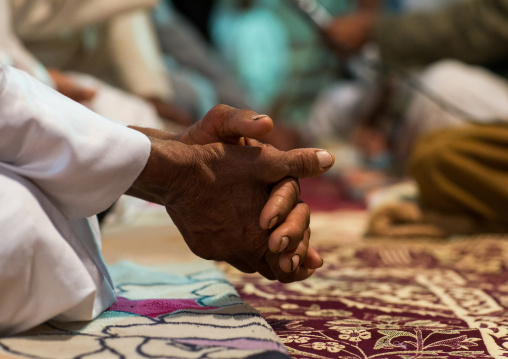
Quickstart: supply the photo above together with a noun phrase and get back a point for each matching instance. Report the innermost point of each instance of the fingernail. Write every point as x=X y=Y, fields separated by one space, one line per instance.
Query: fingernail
x=325 y=158
x=295 y=260
x=257 y=117
x=273 y=222
x=322 y=262
x=284 y=241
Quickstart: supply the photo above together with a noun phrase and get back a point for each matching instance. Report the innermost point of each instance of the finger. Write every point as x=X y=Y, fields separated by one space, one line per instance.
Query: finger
x=290 y=260
x=301 y=273
x=68 y=87
x=313 y=259
x=290 y=233
x=228 y=125
x=81 y=94
x=75 y=92
x=298 y=163
x=283 y=198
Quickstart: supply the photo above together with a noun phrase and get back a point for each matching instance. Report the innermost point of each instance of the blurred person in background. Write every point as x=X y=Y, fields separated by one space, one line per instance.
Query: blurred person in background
x=451 y=121
x=450 y=51
x=201 y=76
x=45 y=19
x=429 y=65
x=113 y=42
x=276 y=55
x=161 y=58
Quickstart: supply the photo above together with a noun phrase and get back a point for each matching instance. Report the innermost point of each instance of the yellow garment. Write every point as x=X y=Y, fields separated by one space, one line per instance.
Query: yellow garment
x=464 y=171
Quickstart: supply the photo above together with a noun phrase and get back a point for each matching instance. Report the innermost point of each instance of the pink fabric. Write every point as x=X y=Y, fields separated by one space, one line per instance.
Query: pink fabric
x=154 y=307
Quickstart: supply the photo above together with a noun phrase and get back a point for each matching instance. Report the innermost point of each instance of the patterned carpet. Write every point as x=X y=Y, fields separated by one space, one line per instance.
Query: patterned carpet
x=382 y=298
x=374 y=298
x=188 y=310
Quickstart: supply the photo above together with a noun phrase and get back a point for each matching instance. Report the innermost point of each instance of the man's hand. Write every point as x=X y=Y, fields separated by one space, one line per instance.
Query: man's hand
x=68 y=87
x=282 y=212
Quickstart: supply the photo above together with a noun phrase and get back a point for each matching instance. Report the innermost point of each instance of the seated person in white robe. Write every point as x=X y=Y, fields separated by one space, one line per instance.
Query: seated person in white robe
x=111 y=40
x=60 y=164
x=98 y=96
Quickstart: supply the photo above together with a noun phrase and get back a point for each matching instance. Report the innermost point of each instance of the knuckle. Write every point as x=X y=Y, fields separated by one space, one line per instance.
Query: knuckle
x=303 y=163
x=220 y=108
x=279 y=199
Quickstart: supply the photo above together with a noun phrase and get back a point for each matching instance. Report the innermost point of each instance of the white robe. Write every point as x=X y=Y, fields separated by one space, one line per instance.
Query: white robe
x=59 y=164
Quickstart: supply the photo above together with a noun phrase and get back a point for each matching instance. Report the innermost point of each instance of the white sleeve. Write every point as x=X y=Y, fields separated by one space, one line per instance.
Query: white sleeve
x=81 y=160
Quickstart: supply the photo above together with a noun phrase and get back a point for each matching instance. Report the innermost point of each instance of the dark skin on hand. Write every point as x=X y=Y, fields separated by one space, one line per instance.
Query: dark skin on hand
x=233 y=198
x=68 y=87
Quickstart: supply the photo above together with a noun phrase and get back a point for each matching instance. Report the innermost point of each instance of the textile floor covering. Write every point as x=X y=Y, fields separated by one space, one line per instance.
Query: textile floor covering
x=374 y=298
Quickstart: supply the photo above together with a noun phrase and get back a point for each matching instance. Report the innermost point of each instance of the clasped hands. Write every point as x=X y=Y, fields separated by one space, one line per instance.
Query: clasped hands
x=233 y=198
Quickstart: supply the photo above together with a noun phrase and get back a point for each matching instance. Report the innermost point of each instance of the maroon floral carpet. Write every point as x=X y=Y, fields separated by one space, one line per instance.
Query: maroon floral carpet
x=383 y=299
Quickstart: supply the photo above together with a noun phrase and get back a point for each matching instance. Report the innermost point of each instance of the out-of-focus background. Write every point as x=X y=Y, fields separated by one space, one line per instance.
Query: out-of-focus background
x=411 y=96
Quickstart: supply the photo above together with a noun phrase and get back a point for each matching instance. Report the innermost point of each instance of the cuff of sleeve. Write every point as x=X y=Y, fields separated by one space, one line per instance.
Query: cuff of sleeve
x=126 y=159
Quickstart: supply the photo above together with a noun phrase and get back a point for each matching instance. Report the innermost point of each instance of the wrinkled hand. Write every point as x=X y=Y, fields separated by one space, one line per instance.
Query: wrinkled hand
x=237 y=217
x=348 y=34
x=68 y=87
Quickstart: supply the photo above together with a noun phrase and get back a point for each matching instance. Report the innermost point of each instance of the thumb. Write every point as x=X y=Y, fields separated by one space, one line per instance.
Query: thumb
x=298 y=163
x=309 y=162
x=228 y=125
